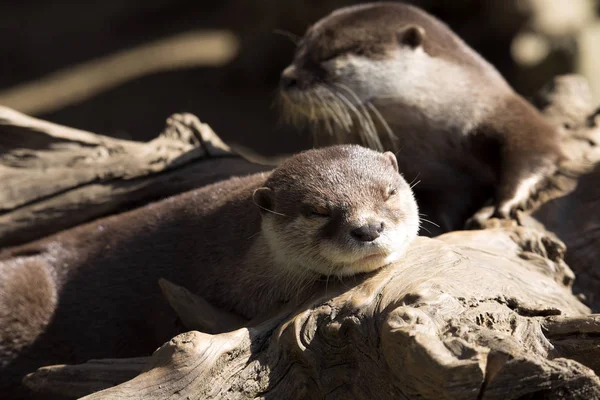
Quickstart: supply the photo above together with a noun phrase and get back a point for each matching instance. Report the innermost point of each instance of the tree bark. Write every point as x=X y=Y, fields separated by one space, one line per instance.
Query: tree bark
x=479 y=314
x=55 y=177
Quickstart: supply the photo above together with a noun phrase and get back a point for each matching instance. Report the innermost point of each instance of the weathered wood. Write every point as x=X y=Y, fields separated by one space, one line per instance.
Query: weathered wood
x=577 y=338
x=79 y=380
x=55 y=177
x=196 y=313
x=449 y=321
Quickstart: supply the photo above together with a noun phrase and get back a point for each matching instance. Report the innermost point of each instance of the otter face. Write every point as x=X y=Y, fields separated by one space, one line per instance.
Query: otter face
x=352 y=65
x=339 y=210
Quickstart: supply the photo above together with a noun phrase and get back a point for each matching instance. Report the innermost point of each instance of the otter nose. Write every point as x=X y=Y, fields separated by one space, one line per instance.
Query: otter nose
x=368 y=232
x=289 y=78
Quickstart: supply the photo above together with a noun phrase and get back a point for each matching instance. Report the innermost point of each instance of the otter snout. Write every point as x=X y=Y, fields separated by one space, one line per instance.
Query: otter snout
x=289 y=78
x=297 y=78
x=368 y=232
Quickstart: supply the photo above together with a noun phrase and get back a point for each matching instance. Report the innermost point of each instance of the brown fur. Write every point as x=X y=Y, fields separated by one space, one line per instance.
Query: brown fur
x=461 y=130
x=92 y=292
x=367 y=30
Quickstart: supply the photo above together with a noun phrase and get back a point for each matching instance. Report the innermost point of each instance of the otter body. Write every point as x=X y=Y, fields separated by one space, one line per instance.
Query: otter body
x=246 y=244
x=390 y=76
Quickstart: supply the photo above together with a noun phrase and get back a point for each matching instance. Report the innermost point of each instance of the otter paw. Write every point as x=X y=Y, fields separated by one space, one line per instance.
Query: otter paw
x=487 y=218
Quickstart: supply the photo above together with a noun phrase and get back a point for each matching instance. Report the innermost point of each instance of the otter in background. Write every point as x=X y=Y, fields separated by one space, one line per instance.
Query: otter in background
x=390 y=76
x=245 y=244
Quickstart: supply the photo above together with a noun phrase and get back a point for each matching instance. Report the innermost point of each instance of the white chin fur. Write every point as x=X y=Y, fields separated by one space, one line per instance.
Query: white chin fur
x=363 y=266
x=345 y=261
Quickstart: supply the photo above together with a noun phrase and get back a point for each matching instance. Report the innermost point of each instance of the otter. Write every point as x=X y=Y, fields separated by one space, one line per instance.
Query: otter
x=460 y=129
x=247 y=245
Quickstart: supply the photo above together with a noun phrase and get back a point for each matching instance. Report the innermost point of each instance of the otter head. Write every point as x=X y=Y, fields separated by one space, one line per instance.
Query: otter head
x=338 y=210
x=360 y=63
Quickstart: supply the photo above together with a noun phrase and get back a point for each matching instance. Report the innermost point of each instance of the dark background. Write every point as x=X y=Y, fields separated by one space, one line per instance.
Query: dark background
x=38 y=38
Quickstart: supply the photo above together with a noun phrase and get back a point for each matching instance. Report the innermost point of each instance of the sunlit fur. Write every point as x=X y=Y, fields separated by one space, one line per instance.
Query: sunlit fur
x=354 y=186
x=348 y=81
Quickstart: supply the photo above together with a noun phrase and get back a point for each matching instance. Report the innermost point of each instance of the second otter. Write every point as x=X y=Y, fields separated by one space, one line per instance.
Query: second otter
x=458 y=126
x=92 y=292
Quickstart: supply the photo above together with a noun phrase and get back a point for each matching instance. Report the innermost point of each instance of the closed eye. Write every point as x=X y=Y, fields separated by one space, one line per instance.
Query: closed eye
x=316 y=212
x=392 y=191
x=322 y=213
x=326 y=57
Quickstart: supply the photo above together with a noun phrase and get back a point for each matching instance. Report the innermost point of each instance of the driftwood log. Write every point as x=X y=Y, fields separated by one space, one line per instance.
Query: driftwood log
x=54 y=177
x=479 y=314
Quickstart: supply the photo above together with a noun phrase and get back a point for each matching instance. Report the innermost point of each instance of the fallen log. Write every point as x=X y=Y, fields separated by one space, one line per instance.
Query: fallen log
x=449 y=321
x=55 y=177
x=492 y=313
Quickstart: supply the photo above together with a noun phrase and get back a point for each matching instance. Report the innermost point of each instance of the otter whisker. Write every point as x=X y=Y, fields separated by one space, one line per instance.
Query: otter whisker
x=431 y=222
x=291 y=36
x=338 y=112
x=326 y=121
x=366 y=130
x=341 y=119
x=341 y=109
x=256 y=234
x=370 y=130
x=422 y=227
x=381 y=120
x=267 y=210
x=311 y=106
x=349 y=107
x=358 y=114
x=414 y=179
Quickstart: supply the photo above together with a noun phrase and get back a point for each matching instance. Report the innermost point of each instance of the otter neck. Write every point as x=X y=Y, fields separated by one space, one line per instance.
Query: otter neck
x=274 y=283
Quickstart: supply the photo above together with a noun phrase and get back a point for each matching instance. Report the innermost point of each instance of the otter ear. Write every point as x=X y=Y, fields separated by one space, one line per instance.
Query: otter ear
x=411 y=35
x=263 y=198
x=392 y=157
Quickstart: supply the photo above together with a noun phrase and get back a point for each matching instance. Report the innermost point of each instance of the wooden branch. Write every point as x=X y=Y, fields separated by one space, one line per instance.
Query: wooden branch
x=577 y=338
x=81 y=82
x=65 y=177
x=196 y=313
x=79 y=380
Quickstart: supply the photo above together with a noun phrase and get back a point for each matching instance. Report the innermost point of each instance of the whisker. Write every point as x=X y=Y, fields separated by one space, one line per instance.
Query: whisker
x=257 y=233
x=343 y=118
x=370 y=131
x=431 y=222
x=331 y=111
x=326 y=120
x=266 y=209
x=291 y=36
x=415 y=184
x=348 y=105
x=382 y=120
x=422 y=227
x=413 y=181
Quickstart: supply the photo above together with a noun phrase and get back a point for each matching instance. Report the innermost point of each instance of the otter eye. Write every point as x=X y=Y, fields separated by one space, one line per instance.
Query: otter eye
x=392 y=191
x=317 y=212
